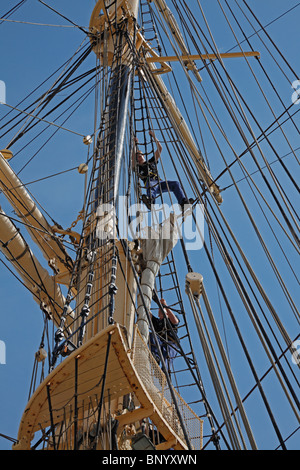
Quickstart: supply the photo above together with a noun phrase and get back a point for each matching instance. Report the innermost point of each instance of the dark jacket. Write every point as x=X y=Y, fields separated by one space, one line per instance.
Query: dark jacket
x=148 y=170
x=162 y=328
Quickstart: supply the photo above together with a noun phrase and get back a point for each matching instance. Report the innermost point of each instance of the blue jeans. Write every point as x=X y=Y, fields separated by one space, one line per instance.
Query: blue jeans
x=154 y=186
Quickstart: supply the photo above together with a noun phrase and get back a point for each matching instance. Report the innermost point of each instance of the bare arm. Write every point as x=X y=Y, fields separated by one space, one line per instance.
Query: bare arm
x=173 y=319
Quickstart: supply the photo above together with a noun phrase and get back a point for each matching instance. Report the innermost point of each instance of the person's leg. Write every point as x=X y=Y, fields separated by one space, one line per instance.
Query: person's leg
x=175 y=188
x=172 y=354
x=152 y=189
x=169 y=355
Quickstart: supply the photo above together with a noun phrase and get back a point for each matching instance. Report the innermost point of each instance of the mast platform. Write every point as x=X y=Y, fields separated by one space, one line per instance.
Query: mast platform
x=68 y=400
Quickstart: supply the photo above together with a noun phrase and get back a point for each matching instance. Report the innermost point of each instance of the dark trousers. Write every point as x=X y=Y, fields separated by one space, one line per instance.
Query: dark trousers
x=167 y=351
x=154 y=187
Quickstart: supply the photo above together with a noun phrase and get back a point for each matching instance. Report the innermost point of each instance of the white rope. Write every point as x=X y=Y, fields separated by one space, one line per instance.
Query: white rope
x=39 y=24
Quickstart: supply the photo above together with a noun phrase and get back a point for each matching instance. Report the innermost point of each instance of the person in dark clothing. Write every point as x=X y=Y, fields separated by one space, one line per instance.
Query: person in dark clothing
x=165 y=335
x=147 y=172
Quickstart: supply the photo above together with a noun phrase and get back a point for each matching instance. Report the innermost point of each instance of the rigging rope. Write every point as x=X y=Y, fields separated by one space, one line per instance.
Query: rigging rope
x=152 y=116
x=63 y=16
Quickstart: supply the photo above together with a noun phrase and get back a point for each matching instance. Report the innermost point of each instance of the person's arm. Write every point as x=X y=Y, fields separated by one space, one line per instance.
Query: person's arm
x=158 y=146
x=173 y=319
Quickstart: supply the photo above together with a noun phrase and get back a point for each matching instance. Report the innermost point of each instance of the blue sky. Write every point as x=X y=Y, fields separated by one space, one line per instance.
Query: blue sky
x=30 y=53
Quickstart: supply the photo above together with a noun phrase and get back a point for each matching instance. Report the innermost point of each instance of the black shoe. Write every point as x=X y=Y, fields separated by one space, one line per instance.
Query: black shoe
x=187 y=202
x=147 y=201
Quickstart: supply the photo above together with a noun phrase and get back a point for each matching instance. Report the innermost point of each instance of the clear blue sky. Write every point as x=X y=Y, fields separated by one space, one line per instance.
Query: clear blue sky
x=30 y=53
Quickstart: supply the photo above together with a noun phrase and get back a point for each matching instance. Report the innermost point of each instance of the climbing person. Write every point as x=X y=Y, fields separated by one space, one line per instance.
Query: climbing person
x=166 y=335
x=148 y=173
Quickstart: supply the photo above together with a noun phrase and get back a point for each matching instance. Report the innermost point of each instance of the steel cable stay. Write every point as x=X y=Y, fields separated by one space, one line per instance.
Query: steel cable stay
x=246 y=172
x=63 y=16
x=276 y=360
x=236 y=160
x=196 y=27
x=80 y=100
x=227 y=256
x=252 y=145
x=257 y=232
x=271 y=40
x=255 y=386
x=280 y=127
x=262 y=29
x=45 y=97
x=256 y=171
x=14 y=9
x=27 y=112
x=269 y=411
x=189 y=361
x=56 y=107
x=126 y=250
x=273 y=193
x=63 y=66
x=44 y=103
x=240 y=96
x=265 y=73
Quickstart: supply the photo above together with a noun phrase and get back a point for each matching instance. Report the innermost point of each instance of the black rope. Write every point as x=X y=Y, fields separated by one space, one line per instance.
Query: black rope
x=12 y=439
x=63 y=16
x=76 y=404
x=100 y=404
x=271 y=40
x=51 y=416
x=12 y=10
x=51 y=95
x=164 y=368
x=242 y=342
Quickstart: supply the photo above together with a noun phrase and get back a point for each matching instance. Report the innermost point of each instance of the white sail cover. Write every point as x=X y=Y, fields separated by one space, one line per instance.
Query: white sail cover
x=155 y=248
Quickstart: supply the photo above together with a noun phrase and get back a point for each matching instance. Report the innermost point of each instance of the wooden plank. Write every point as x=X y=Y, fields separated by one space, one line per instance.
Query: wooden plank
x=166 y=445
x=135 y=415
x=226 y=55
x=120 y=380
x=144 y=398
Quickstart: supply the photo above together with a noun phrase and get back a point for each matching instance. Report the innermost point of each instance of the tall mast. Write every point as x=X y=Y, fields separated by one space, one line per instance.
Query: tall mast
x=113 y=27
